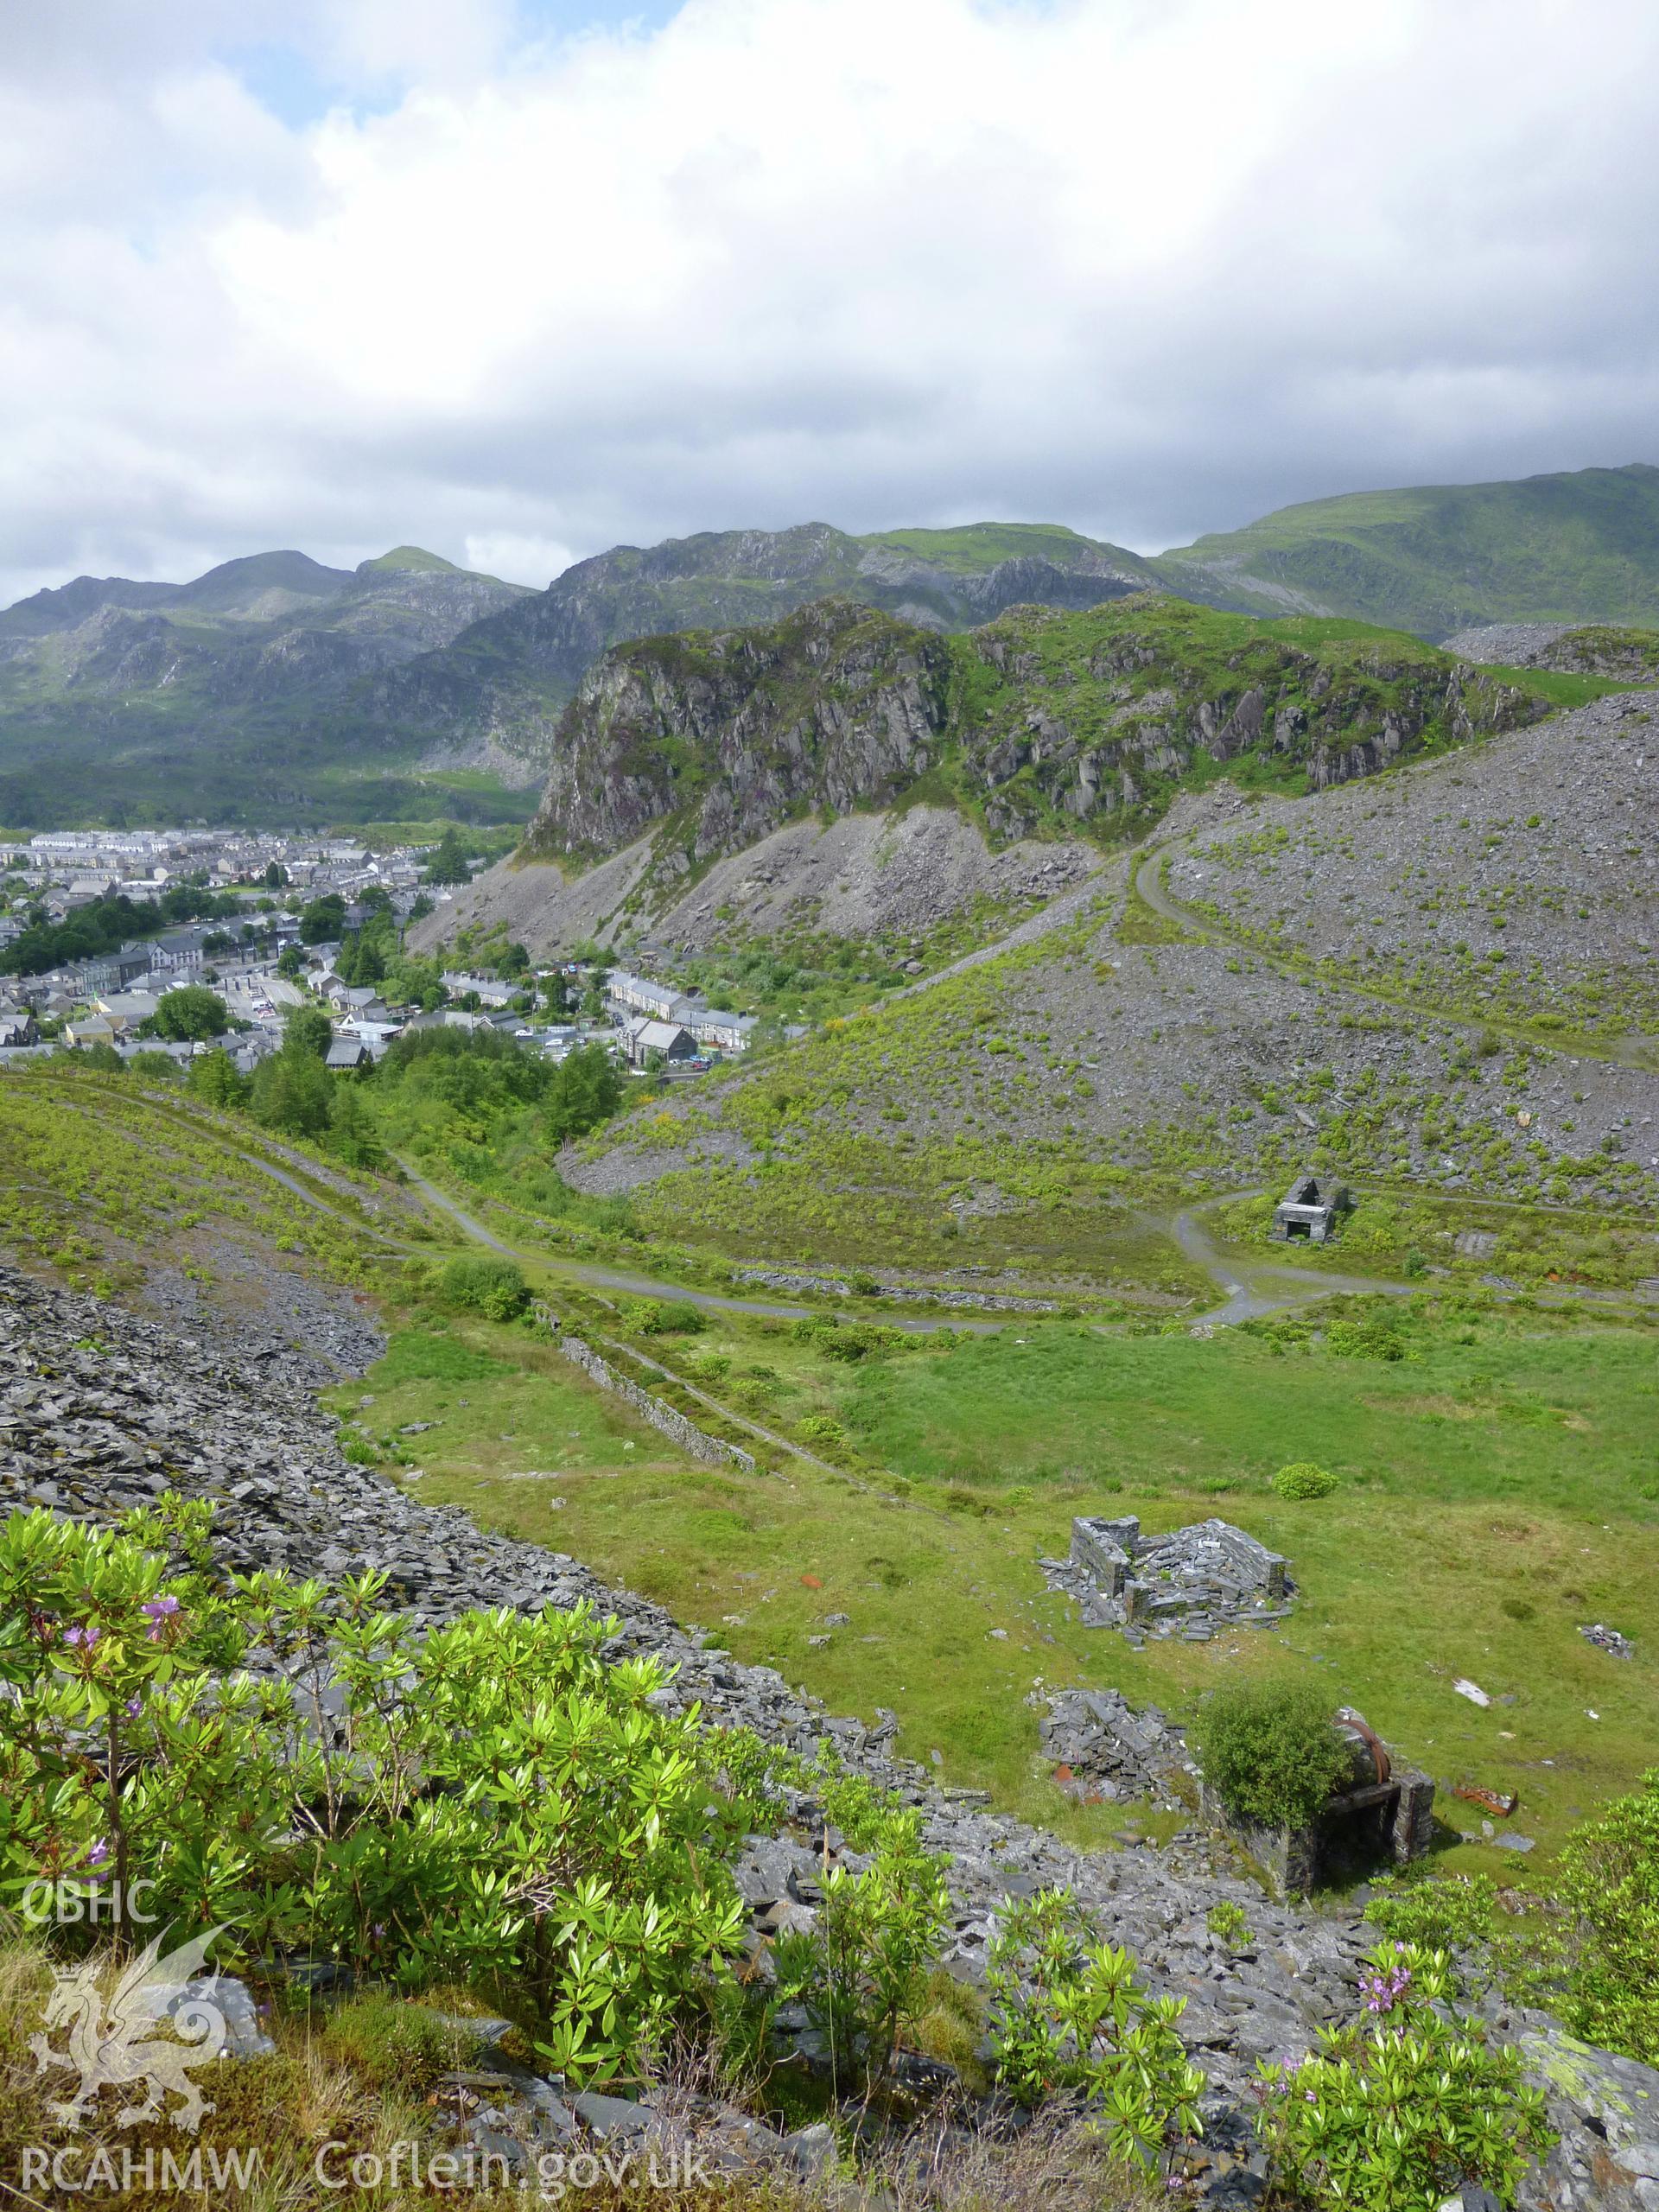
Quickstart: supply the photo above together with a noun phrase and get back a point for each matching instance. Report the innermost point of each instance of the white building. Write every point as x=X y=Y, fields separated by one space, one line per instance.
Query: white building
x=726 y=1033
x=638 y=994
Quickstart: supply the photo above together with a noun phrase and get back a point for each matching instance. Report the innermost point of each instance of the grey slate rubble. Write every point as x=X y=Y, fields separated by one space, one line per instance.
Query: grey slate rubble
x=1608 y=1639
x=1114 y=1752
x=101 y=1412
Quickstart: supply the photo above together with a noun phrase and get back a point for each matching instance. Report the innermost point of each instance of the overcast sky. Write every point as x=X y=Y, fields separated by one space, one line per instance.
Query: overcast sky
x=518 y=281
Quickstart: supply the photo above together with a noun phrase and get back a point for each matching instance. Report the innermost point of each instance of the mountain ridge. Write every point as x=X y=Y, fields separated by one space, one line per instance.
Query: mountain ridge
x=274 y=687
x=233 y=694
x=530 y=658
x=1572 y=546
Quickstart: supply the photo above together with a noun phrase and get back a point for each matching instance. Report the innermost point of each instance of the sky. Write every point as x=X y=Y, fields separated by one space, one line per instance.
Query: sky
x=518 y=280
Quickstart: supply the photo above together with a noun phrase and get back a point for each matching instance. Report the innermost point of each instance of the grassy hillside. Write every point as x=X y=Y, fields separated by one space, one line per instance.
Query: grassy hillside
x=1579 y=546
x=1496 y=1482
x=1409 y=980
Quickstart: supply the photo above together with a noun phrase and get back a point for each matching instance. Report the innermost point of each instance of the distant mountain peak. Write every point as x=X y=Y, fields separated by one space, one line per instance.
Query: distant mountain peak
x=246 y=585
x=408 y=557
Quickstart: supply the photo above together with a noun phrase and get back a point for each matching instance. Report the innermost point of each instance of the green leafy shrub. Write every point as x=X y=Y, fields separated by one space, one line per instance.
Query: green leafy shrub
x=1439 y=1915
x=662 y=1317
x=753 y=1775
x=864 y=1813
x=847 y=1341
x=486 y=1283
x=493 y=1801
x=1227 y=1923
x=1067 y=2015
x=1394 y=2111
x=1270 y=1751
x=1608 y=1877
x=861 y=1969
x=1362 y=1340
x=1302 y=1479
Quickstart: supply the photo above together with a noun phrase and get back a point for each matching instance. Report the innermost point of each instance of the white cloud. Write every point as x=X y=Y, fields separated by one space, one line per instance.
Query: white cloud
x=1143 y=269
x=518 y=559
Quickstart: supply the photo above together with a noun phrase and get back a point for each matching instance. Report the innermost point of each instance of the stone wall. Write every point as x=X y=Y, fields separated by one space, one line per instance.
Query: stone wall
x=690 y=1440
x=1396 y=1816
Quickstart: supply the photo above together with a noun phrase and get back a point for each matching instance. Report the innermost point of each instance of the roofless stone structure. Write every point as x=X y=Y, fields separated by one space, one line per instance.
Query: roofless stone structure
x=1190 y=1582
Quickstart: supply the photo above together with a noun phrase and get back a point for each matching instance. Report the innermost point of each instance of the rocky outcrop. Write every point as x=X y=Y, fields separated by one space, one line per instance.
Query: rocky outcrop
x=836 y=706
x=1099 y=723
x=1041 y=719
x=920 y=593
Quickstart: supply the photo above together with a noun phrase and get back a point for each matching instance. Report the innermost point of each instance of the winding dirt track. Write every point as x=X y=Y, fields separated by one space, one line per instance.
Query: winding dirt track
x=1249 y=1288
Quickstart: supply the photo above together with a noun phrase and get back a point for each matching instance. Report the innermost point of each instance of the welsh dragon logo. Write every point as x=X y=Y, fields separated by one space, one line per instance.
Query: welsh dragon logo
x=108 y=2045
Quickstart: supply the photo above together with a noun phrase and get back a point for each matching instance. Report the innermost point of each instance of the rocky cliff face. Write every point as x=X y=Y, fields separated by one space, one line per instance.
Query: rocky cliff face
x=836 y=706
x=1100 y=718
x=1041 y=722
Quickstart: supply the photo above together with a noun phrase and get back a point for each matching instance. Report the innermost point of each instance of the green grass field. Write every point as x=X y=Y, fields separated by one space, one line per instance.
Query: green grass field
x=1497 y=1491
x=976 y=548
